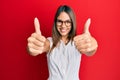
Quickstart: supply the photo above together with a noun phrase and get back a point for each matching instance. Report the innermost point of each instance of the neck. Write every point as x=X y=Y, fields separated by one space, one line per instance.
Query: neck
x=65 y=40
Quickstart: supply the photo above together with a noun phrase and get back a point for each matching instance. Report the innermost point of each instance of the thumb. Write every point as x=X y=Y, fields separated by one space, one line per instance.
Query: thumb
x=37 y=26
x=87 y=25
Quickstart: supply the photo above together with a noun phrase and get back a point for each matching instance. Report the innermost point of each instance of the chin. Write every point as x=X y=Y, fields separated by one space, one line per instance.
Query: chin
x=64 y=34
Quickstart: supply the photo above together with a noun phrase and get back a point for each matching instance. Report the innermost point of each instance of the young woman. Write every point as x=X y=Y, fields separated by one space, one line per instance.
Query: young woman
x=64 y=48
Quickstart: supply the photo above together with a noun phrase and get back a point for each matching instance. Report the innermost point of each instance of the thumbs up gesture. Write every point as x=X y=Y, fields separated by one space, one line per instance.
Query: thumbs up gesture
x=36 y=42
x=85 y=43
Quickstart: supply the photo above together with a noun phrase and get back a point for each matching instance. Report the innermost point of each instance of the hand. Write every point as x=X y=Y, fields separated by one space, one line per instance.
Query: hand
x=85 y=43
x=36 y=41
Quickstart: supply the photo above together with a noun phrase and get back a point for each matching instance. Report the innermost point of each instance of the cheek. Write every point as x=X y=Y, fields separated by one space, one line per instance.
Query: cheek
x=58 y=29
x=69 y=29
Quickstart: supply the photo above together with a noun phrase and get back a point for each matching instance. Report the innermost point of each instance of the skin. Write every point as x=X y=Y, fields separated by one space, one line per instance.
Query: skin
x=63 y=29
x=85 y=43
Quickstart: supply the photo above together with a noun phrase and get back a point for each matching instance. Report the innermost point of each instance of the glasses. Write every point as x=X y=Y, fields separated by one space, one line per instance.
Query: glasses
x=60 y=22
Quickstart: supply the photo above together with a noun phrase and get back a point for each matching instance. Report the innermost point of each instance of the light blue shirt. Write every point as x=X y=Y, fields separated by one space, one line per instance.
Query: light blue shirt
x=63 y=62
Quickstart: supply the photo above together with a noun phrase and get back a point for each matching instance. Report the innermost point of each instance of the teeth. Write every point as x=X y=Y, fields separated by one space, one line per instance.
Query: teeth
x=63 y=30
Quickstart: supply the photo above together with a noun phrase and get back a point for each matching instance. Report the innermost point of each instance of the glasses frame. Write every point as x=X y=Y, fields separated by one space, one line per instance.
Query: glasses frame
x=60 y=22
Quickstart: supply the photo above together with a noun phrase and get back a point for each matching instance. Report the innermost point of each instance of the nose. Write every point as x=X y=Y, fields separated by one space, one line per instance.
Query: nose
x=63 y=24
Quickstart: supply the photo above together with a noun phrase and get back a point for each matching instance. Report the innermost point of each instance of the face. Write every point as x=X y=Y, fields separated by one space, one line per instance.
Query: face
x=63 y=24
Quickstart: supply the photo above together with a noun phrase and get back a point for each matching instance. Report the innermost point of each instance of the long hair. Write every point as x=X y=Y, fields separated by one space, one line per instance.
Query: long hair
x=55 y=34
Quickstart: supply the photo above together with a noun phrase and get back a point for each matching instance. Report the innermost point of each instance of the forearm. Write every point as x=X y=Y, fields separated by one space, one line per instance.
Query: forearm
x=47 y=46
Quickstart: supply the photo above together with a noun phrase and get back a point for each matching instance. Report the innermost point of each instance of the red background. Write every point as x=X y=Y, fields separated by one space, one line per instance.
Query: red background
x=16 y=25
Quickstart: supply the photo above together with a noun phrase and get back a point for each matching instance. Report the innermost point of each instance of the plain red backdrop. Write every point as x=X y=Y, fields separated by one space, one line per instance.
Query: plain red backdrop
x=16 y=25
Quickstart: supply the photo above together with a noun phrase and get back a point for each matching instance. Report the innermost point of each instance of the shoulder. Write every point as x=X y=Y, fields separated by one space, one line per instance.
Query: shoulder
x=49 y=38
x=50 y=41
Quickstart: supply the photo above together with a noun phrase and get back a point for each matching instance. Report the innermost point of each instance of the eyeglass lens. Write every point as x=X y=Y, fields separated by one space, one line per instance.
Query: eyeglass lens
x=60 y=22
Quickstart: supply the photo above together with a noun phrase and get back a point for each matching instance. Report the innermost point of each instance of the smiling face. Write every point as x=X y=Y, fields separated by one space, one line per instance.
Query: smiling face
x=63 y=24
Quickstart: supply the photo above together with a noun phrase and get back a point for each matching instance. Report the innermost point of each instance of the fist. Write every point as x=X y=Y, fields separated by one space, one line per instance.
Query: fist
x=85 y=43
x=36 y=41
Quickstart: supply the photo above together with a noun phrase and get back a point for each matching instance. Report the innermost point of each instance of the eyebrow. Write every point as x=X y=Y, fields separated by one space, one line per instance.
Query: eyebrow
x=62 y=20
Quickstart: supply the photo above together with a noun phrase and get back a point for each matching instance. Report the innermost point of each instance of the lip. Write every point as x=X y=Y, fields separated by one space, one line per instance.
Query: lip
x=63 y=30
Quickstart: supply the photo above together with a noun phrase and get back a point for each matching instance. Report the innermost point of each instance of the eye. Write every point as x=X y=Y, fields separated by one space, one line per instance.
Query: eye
x=59 y=22
x=68 y=21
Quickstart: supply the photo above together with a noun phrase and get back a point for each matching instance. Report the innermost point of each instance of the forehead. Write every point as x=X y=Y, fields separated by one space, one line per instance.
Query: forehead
x=63 y=16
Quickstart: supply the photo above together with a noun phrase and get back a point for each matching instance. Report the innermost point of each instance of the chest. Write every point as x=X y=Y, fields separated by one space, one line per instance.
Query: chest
x=64 y=55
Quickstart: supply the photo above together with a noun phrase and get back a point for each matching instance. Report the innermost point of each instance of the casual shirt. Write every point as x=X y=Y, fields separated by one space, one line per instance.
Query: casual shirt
x=63 y=61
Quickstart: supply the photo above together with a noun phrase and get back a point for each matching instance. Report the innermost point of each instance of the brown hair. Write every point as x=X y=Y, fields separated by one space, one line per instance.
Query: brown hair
x=55 y=34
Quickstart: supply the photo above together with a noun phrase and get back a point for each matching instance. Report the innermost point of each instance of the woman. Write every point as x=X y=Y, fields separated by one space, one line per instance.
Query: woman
x=64 y=48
